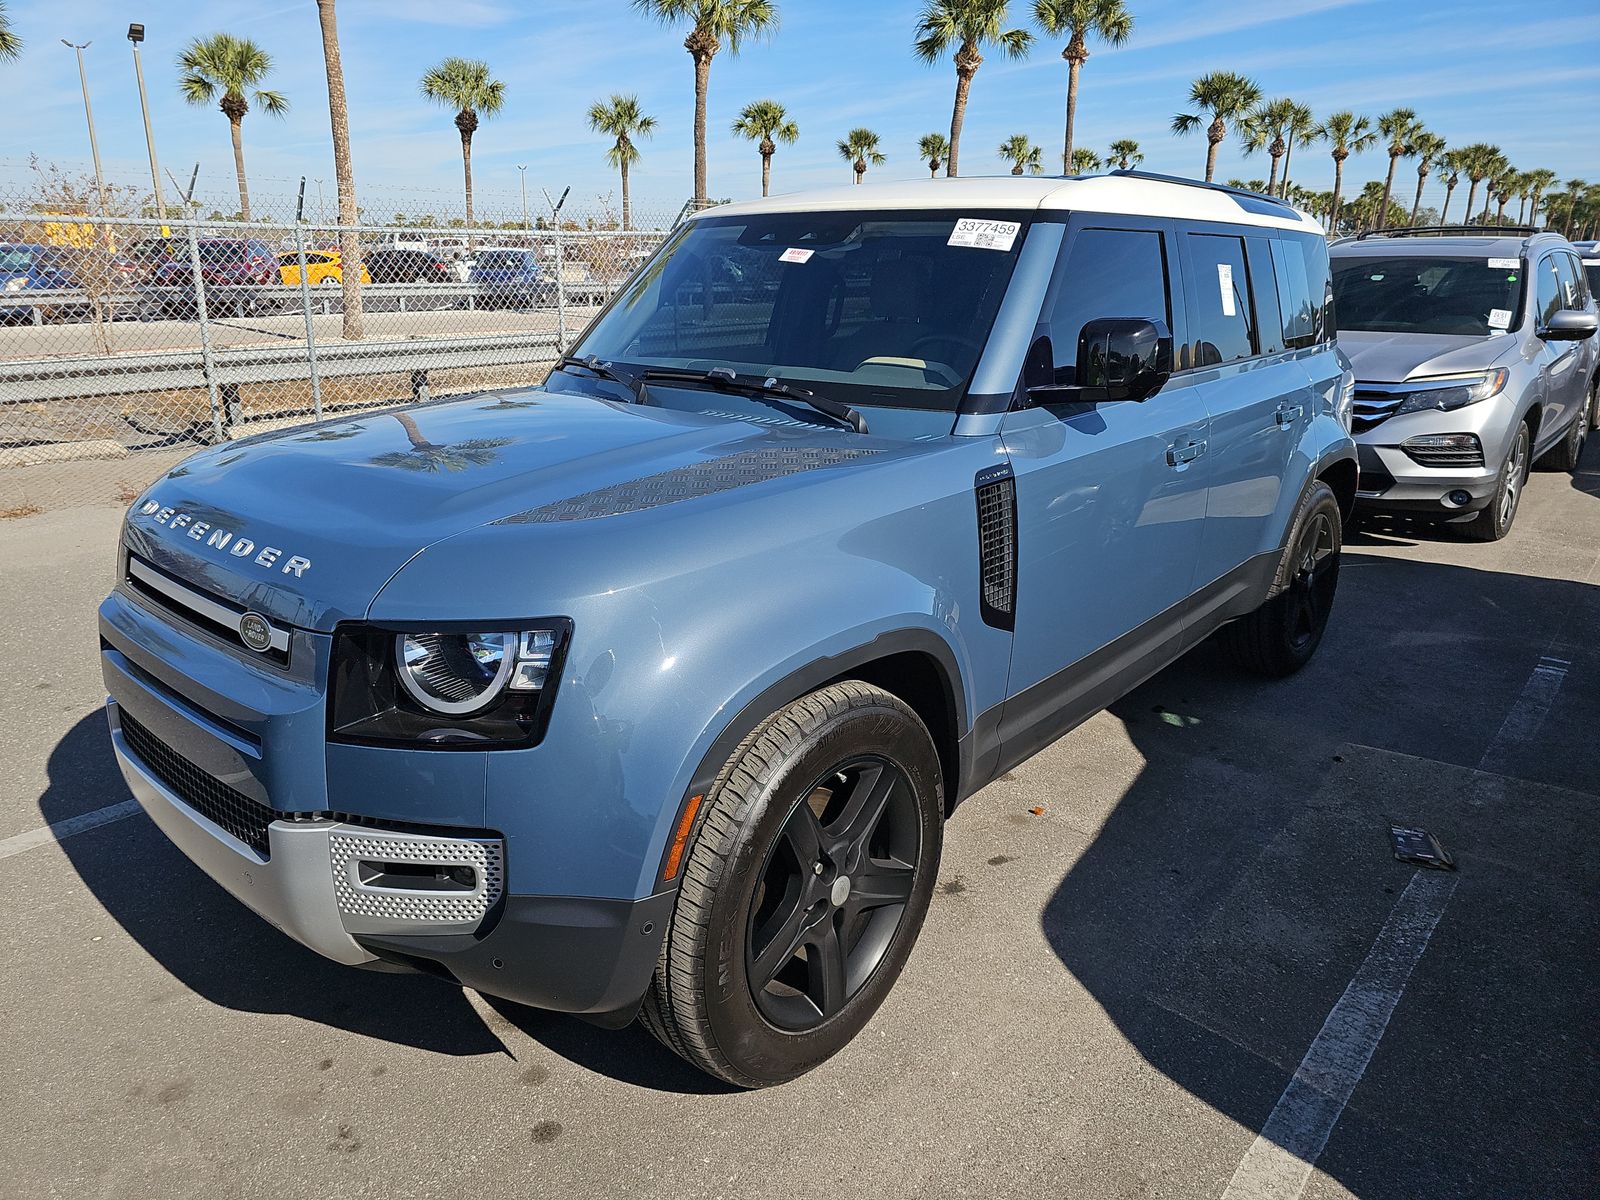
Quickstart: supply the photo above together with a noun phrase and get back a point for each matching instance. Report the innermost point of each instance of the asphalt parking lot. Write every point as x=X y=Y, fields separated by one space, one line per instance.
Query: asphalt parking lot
x=1114 y=997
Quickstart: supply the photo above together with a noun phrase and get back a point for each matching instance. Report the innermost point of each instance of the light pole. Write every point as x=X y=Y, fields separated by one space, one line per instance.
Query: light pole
x=523 y=169
x=322 y=214
x=136 y=35
x=88 y=112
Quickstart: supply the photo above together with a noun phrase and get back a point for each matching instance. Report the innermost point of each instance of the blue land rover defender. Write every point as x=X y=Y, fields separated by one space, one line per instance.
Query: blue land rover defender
x=646 y=693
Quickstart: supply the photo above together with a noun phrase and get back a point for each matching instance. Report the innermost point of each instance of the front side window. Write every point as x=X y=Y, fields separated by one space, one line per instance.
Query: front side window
x=1571 y=280
x=1108 y=273
x=1221 y=321
x=1547 y=295
x=867 y=308
x=1466 y=296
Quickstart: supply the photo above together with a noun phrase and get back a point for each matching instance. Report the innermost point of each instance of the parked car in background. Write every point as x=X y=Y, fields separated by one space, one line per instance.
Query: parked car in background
x=507 y=278
x=30 y=267
x=134 y=262
x=1475 y=356
x=236 y=273
x=402 y=240
x=322 y=267
x=656 y=704
x=408 y=266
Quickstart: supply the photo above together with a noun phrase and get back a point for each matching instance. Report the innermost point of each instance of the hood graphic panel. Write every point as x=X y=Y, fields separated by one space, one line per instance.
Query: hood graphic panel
x=689 y=483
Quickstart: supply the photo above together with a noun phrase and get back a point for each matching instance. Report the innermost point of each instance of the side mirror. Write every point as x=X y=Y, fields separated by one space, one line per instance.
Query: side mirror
x=1569 y=325
x=1119 y=358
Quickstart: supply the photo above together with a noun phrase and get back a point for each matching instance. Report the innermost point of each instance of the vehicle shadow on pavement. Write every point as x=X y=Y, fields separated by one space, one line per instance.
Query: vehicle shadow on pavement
x=1232 y=891
x=222 y=951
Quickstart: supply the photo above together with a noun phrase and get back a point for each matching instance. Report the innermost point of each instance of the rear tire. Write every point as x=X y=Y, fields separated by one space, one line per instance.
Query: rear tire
x=1497 y=517
x=804 y=888
x=1565 y=456
x=1280 y=637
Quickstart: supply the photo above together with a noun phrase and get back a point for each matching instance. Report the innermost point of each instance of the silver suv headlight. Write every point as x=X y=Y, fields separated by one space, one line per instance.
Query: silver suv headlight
x=1446 y=393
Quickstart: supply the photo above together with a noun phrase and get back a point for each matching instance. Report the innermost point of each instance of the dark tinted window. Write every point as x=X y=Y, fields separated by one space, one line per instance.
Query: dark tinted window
x=1572 y=289
x=224 y=252
x=1300 y=309
x=1221 y=323
x=502 y=260
x=1264 y=295
x=1591 y=271
x=1314 y=254
x=1547 y=291
x=1426 y=294
x=1108 y=273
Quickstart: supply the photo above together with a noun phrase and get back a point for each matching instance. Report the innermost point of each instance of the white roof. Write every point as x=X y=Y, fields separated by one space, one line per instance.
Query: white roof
x=1123 y=194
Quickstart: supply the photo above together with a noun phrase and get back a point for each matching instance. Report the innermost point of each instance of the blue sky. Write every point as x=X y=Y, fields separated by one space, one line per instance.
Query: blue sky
x=1531 y=84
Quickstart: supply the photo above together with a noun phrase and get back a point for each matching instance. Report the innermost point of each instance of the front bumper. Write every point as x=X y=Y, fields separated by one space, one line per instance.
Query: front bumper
x=1391 y=482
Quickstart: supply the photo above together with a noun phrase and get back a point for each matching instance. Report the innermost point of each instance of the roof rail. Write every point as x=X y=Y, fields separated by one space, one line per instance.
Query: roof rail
x=1450 y=231
x=1133 y=173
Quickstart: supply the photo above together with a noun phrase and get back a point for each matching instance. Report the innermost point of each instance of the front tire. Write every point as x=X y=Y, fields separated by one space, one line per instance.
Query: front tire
x=1497 y=517
x=804 y=889
x=1280 y=637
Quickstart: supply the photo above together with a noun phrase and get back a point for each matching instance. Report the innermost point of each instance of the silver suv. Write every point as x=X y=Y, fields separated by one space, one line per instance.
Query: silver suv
x=1475 y=354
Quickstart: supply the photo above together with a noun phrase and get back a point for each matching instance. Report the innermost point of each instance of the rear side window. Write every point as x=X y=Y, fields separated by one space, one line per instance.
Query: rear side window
x=1302 y=295
x=1319 y=276
x=1572 y=293
x=1108 y=273
x=1221 y=321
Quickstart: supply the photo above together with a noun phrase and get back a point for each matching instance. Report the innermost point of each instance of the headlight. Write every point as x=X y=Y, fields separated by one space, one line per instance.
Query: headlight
x=17 y=284
x=1448 y=392
x=468 y=688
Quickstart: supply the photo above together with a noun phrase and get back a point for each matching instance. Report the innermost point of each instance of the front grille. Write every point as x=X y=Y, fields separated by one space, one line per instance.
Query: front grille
x=1372 y=408
x=997 y=549
x=244 y=818
x=216 y=616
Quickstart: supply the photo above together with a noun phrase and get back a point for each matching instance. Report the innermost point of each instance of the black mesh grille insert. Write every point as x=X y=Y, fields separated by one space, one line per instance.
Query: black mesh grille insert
x=244 y=818
x=997 y=549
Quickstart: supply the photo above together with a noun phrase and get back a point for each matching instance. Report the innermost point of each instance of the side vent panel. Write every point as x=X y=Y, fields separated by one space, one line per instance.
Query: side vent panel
x=997 y=545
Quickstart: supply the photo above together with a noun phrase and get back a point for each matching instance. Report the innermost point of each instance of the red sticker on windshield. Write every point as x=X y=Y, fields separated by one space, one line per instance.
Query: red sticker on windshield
x=795 y=254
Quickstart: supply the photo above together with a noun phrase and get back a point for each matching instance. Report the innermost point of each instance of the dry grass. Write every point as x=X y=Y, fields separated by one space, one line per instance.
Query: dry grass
x=127 y=492
x=25 y=509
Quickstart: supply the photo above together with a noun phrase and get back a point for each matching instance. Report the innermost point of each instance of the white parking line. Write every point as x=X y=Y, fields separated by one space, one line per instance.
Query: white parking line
x=1527 y=714
x=1279 y=1161
x=61 y=830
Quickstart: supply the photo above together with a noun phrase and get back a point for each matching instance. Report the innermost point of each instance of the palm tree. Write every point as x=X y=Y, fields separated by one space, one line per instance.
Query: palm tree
x=232 y=66
x=766 y=123
x=1524 y=185
x=1264 y=127
x=464 y=84
x=1301 y=130
x=355 y=324
x=1401 y=128
x=1427 y=147
x=710 y=22
x=1479 y=161
x=1125 y=153
x=1022 y=154
x=429 y=456
x=1538 y=181
x=1575 y=190
x=1501 y=188
x=968 y=25
x=1226 y=97
x=1346 y=134
x=1080 y=20
x=1085 y=161
x=860 y=147
x=932 y=149
x=621 y=119
x=10 y=43
x=1452 y=163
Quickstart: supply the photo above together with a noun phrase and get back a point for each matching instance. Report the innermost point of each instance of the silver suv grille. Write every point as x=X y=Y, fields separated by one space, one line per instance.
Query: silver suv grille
x=1373 y=407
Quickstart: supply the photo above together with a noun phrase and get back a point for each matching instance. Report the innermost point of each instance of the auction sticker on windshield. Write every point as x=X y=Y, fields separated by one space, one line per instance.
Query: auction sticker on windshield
x=795 y=254
x=985 y=235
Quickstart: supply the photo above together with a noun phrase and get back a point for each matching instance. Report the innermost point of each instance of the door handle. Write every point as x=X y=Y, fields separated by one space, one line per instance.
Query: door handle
x=1288 y=414
x=1178 y=456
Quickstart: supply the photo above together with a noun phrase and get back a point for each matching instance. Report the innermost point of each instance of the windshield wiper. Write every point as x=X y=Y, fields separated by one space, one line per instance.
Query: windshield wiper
x=604 y=370
x=727 y=380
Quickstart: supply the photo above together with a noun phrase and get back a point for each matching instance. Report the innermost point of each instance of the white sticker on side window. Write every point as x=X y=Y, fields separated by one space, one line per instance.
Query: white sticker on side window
x=1499 y=318
x=795 y=254
x=1225 y=286
x=984 y=235
x=1504 y=264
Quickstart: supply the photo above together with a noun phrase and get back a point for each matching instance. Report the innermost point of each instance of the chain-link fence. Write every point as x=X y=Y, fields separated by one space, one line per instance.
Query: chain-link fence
x=129 y=341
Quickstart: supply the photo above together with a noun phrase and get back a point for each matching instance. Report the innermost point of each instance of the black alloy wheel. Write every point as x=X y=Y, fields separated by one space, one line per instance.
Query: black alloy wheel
x=1315 y=578
x=831 y=894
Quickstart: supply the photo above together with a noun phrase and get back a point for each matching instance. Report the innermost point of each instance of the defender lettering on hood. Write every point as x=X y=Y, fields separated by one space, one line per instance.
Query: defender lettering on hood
x=213 y=537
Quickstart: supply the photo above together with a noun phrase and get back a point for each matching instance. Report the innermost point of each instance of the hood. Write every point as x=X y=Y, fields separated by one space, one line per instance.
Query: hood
x=307 y=525
x=1398 y=357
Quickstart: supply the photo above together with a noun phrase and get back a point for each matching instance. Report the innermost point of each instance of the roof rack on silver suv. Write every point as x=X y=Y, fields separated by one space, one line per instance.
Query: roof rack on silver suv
x=1450 y=231
x=1235 y=192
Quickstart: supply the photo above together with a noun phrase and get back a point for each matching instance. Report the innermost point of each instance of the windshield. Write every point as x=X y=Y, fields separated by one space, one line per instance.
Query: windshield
x=15 y=259
x=879 y=308
x=1428 y=294
x=215 y=253
x=501 y=260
